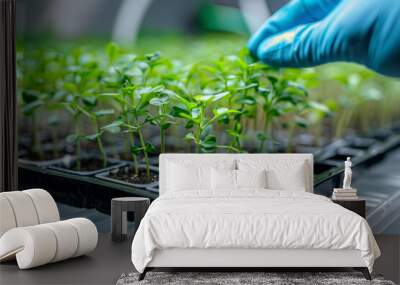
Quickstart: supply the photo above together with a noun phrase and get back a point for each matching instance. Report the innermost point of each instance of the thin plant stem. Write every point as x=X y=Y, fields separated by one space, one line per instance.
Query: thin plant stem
x=131 y=143
x=162 y=131
x=100 y=144
x=78 y=144
x=197 y=137
x=146 y=156
x=134 y=157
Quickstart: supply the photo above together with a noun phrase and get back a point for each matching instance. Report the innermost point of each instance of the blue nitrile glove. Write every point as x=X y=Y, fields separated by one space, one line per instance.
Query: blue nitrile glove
x=311 y=32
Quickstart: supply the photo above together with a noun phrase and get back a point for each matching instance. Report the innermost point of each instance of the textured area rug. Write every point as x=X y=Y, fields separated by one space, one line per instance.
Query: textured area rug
x=243 y=278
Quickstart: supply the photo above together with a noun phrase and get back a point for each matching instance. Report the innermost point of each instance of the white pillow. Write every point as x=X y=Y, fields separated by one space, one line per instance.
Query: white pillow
x=285 y=174
x=186 y=175
x=251 y=178
x=223 y=179
x=182 y=177
x=230 y=180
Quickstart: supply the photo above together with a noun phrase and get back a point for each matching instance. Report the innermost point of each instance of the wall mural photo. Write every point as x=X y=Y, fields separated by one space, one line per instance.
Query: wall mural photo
x=102 y=96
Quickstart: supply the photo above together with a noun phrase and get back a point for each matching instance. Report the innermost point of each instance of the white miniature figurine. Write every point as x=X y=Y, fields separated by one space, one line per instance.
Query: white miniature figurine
x=347 y=174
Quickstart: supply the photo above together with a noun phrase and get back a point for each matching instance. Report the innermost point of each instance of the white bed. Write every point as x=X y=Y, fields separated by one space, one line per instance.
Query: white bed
x=215 y=224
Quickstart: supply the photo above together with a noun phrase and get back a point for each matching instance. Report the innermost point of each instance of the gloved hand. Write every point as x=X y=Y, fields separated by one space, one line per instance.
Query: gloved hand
x=312 y=32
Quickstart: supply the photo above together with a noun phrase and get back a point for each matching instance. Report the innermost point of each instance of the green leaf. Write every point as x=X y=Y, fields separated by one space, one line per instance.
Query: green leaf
x=213 y=97
x=225 y=111
x=320 y=107
x=180 y=113
x=209 y=143
x=73 y=138
x=55 y=106
x=168 y=92
x=246 y=100
x=89 y=101
x=135 y=150
x=84 y=111
x=153 y=56
x=249 y=86
x=165 y=126
x=184 y=101
x=114 y=127
x=233 y=133
x=218 y=114
x=275 y=112
x=112 y=51
x=92 y=137
x=159 y=101
x=28 y=109
x=261 y=136
x=220 y=111
x=157 y=89
x=104 y=112
x=29 y=96
x=238 y=127
x=196 y=113
x=189 y=125
x=301 y=122
x=144 y=91
x=70 y=87
x=150 y=148
x=113 y=130
x=190 y=136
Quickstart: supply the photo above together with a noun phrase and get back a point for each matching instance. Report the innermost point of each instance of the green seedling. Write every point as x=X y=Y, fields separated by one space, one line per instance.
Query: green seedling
x=134 y=118
x=162 y=119
x=201 y=123
x=222 y=99
x=80 y=85
x=32 y=102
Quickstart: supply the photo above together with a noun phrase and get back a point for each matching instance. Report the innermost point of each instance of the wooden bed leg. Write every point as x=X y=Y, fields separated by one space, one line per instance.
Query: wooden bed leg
x=364 y=271
x=142 y=275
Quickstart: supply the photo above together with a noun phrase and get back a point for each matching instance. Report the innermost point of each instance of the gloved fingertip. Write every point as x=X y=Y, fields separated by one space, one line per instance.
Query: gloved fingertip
x=269 y=51
x=277 y=50
x=268 y=56
x=252 y=45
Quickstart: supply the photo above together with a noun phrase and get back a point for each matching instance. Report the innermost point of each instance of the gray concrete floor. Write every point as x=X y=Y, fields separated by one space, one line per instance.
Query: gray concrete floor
x=110 y=259
x=103 y=266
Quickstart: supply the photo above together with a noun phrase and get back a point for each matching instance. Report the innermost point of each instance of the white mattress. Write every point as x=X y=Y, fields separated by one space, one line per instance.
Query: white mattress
x=253 y=219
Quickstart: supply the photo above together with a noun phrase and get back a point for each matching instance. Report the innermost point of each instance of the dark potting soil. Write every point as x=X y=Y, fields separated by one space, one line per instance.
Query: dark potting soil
x=131 y=177
x=87 y=164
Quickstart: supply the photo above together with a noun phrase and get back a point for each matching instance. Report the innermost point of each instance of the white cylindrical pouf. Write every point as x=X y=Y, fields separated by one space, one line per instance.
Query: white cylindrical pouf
x=45 y=205
x=33 y=246
x=87 y=234
x=23 y=208
x=67 y=239
x=7 y=218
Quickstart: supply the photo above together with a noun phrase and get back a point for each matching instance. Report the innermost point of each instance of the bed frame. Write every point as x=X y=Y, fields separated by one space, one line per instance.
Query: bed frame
x=249 y=259
x=246 y=259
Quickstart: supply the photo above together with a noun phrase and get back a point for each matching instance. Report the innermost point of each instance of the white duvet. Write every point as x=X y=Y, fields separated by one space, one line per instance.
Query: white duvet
x=250 y=219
